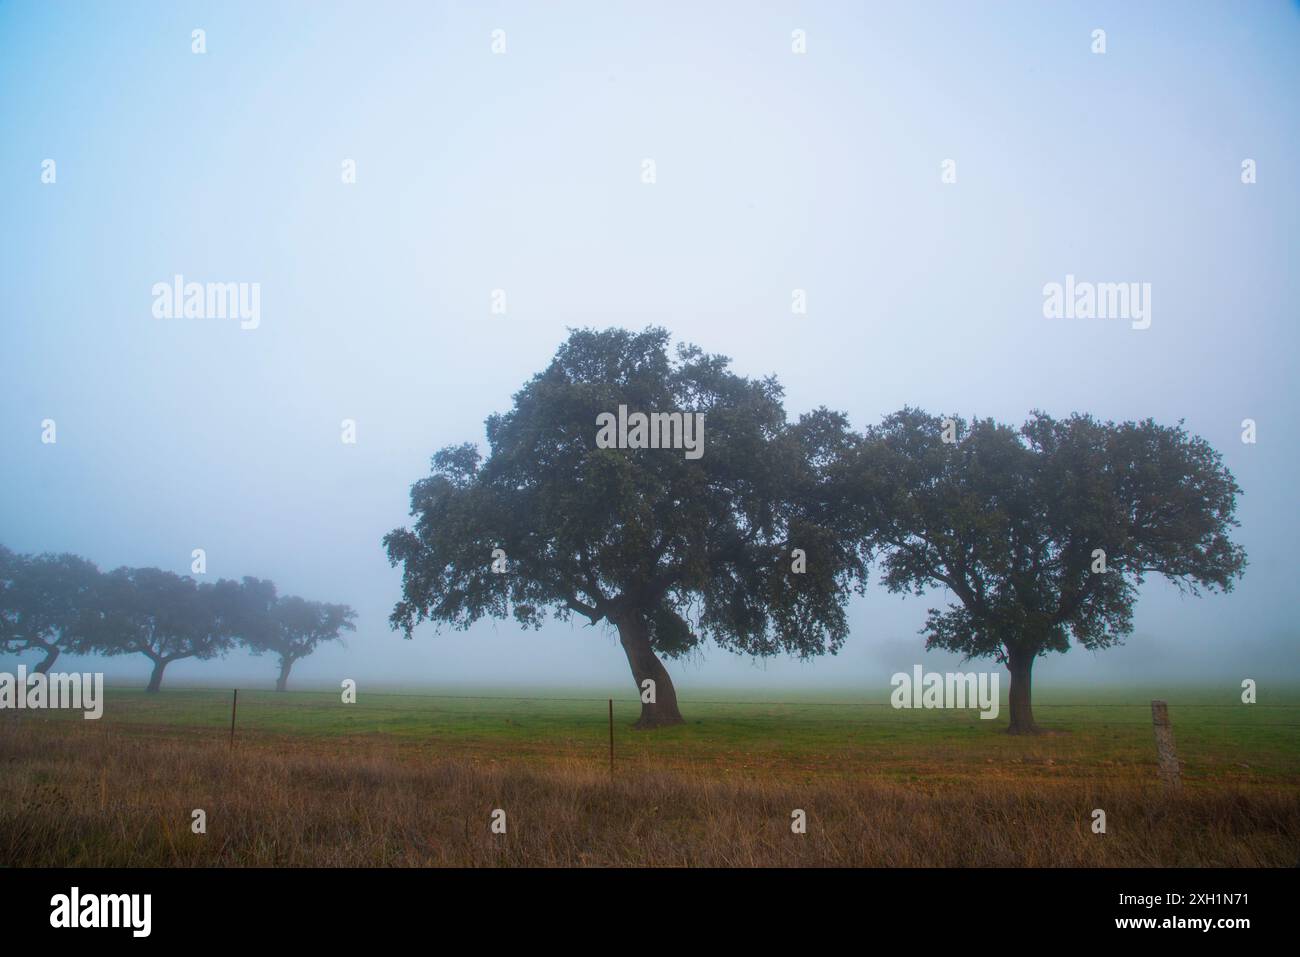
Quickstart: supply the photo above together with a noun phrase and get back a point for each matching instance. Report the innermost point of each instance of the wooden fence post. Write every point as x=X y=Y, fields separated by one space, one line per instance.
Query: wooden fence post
x=611 y=735
x=234 y=704
x=1166 y=754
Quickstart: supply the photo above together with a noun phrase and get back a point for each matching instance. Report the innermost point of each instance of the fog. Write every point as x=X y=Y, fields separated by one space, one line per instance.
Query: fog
x=522 y=171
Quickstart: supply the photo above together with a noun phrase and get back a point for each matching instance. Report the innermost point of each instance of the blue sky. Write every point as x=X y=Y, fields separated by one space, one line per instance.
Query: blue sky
x=522 y=171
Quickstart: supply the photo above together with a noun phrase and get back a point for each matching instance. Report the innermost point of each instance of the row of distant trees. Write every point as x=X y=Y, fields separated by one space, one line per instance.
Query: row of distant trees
x=52 y=603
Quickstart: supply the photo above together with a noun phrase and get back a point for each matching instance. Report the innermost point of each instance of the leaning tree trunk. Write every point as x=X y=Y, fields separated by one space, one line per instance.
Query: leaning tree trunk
x=282 y=682
x=635 y=638
x=155 y=680
x=51 y=655
x=1021 y=666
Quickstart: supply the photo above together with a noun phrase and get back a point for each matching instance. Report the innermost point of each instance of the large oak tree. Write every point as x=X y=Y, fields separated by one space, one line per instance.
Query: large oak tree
x=669 y=549
x=1042 y=534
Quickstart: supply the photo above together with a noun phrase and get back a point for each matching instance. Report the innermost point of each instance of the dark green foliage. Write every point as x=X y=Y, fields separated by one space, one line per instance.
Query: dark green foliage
x=1010 y=522
x=43 y=602
x=691 y=548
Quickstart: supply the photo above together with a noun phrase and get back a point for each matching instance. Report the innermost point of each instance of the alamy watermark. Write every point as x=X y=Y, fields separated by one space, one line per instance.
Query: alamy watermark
x=75 y=909
x=1098 y=300
x=78 y=691
x=654 y=430
x=179 y=299
x=922 y=689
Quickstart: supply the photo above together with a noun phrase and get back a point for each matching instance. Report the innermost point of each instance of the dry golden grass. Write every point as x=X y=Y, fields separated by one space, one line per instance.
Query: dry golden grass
x=84 y=796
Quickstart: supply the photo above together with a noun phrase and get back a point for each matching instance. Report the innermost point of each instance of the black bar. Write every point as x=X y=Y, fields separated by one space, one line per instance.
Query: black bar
x=980 y=907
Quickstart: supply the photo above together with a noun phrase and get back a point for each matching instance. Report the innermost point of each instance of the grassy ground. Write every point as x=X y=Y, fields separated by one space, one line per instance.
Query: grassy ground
x=412 y=779
x=1099 y=735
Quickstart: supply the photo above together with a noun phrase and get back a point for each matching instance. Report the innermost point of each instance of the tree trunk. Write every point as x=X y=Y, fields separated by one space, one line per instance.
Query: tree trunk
x=1021 y=666
x=282 y=682
x=155 y=680
x=51 y=655
x=635 y=638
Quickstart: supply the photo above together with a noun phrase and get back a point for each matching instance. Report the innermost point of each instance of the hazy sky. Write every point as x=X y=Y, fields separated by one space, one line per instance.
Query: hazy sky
x=522 y=171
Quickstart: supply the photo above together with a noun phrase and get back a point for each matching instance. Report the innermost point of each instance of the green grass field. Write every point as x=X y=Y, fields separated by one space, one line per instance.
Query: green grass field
x=409 y=779
x=1098 y=734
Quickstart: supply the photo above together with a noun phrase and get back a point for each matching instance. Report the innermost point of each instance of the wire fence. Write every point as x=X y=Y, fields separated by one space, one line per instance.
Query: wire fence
x=792 y=735
x=1139 y=702
x=800 y=734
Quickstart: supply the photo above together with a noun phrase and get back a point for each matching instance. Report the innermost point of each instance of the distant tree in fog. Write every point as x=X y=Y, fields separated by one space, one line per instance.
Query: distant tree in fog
x=44 y=601
x=291 y=628
x=163 y=616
